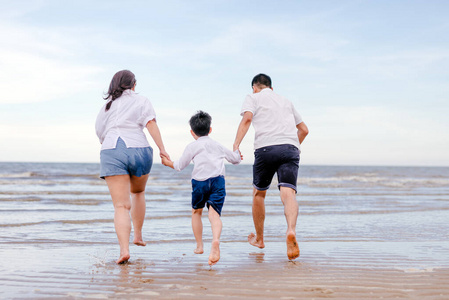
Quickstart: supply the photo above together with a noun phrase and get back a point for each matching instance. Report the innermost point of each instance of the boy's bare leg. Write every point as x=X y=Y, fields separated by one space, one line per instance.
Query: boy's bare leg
x=258 y=218
x=197 y=227
x=119 y=187
x=216 y=225
x=288 y=197
x=138 y=207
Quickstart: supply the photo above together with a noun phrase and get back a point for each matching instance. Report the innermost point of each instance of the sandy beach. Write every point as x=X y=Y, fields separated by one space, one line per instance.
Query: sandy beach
x=364 y=233
x=338 y=271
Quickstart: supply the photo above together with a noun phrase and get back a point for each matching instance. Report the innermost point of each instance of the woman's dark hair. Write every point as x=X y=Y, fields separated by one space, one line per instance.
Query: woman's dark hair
x=261 y=79
x=122 y=80
x=200 y=123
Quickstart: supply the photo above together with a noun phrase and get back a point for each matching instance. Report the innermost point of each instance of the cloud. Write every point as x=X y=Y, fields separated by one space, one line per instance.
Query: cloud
x=40 y=65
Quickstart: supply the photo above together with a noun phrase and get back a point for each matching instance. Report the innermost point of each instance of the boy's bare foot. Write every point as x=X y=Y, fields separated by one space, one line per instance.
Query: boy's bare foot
x=198 y=250
x=252 y=239
x=123 y=259
x=139 y=243
x=292 y=246
x=214 y=256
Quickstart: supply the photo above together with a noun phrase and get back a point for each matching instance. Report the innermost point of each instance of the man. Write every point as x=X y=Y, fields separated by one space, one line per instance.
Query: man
x=279 y=131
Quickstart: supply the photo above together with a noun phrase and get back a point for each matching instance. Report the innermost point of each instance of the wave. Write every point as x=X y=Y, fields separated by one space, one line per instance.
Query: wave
x=373 y=181
x=17 y=175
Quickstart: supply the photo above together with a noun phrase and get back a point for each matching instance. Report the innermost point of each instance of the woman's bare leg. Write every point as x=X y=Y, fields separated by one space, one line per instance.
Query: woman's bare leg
x=138 y=207
x=119 y=187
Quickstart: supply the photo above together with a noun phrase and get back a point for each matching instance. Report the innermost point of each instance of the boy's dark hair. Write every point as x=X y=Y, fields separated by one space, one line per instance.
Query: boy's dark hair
x=261 y=79
x=200 y=123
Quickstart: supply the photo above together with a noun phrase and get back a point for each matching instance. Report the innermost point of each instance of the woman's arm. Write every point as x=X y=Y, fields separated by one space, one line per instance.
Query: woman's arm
x=153 y=129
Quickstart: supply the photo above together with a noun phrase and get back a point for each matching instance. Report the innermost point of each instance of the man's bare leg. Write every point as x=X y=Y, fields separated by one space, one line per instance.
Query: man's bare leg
x=288 y=197
x=197 y=227
x=258 y=218
x=119 y=187
x=138 y=207
x=216 y=225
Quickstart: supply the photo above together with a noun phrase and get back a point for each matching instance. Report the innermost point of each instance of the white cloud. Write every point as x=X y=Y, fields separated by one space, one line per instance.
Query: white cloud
x=38 y=65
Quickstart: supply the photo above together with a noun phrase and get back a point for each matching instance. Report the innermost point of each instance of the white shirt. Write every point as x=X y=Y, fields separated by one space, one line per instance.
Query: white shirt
x=274 y=119
x=207 y=156
x=126 y=118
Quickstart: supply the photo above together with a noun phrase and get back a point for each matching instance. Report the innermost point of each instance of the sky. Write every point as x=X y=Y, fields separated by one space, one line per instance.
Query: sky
x=369 y=78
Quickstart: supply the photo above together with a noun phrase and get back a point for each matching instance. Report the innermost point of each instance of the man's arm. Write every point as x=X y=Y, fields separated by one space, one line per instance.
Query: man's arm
x=303 y=131
x=243 y=129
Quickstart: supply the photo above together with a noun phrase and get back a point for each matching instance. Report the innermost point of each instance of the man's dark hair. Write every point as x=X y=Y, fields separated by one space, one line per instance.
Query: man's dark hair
x=200 y=123
x=261 y=79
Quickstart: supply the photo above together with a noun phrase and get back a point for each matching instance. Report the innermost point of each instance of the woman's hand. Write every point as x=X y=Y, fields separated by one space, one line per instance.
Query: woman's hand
x=164 y=153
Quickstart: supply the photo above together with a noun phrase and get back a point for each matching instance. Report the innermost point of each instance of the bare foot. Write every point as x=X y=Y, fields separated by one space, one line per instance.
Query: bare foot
x=214 y=256
x=139 y=243
x=198 y=250
x=123 y=259
x=252 y=239
x=292 y=246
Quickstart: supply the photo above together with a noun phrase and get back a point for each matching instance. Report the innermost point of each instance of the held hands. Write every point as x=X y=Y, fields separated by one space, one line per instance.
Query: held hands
x=164 y=153
x=167 y=162
x=241 y=156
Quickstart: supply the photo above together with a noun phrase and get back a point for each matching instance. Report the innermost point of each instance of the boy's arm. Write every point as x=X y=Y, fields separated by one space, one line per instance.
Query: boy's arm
x=184 y=160
x=167 y=162
x=243 y=129
x=233 y=157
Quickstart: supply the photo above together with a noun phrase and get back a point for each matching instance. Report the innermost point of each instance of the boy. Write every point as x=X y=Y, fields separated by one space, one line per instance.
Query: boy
x=208 y=183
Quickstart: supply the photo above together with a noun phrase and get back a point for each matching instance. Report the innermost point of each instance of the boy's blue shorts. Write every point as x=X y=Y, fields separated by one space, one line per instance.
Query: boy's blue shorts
x=125 y=161
x=211 y=191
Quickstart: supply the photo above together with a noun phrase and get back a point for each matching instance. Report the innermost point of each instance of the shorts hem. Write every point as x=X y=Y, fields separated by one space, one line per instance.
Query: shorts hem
x=115 y=174
x=289 y=185
x=214 y=207
x=260 y=189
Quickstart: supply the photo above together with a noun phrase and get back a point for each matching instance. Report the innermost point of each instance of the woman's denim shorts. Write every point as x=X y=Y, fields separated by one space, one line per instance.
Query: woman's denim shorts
x=125 y=161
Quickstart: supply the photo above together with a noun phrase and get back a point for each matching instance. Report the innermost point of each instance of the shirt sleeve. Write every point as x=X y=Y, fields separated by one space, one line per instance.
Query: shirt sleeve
x=298 y=118
x=147 y=113
x=232 y=157
x=99 y=126
x=184 y=160
x=248 y=105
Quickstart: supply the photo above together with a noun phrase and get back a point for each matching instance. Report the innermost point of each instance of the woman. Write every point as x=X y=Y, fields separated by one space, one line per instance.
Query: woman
x=126 y=157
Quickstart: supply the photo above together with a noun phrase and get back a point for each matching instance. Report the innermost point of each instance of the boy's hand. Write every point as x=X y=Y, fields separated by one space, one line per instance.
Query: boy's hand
x=241 y=156
x=167 y=162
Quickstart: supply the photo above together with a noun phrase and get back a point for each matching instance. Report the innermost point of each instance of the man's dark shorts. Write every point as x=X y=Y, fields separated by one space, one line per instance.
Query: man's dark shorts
x=211 y=191
x=280 y=159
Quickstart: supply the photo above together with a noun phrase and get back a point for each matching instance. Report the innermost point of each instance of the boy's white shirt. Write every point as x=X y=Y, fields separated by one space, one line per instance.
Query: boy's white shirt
x=207 y=156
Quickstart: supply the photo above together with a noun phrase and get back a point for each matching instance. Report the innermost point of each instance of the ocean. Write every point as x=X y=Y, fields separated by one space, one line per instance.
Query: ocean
x=57 y=236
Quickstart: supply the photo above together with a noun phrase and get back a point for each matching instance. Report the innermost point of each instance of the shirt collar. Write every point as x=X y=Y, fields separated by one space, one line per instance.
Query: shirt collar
x=128 y=91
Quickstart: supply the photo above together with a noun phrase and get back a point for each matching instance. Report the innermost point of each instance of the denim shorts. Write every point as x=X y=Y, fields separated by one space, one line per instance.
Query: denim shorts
x=211 y=192
x=280 y=159
x=125 y=161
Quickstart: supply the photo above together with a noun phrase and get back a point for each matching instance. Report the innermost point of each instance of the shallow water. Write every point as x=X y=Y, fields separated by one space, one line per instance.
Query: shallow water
x=57 y=234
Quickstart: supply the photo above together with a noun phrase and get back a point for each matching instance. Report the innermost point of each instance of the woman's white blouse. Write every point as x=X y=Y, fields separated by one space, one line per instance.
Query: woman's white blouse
x=126 y=118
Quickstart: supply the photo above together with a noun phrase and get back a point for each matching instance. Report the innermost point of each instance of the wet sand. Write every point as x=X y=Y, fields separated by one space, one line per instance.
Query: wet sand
x=363 y=232
x=339 y=270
